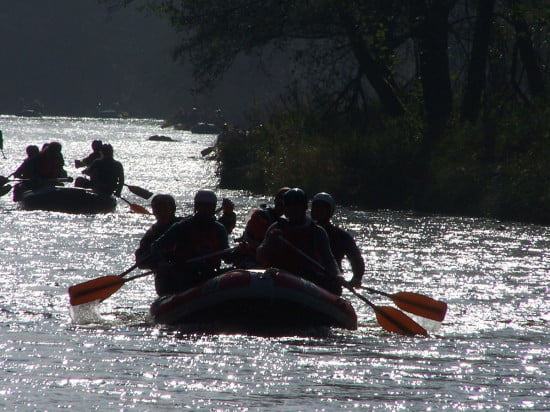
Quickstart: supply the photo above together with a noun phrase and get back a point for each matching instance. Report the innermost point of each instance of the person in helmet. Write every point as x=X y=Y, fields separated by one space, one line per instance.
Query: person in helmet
x=306 y=238
x=193 y=237
x=228 y=218
x=94 y=155
x=342 y=243
x=255 y=229
x=106 y=174
x=164 y=209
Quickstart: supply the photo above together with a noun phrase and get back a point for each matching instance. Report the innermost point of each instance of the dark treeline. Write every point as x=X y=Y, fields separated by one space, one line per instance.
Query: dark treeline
x=431 y=105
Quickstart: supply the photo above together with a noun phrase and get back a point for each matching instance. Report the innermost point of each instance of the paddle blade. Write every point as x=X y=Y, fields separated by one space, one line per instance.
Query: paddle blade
x=4 y=180
x=100 y=288
x=420 y=305
x=394 y=320
x=139 y=209
x=140 y=191
x=206 y=151
x=5 y=189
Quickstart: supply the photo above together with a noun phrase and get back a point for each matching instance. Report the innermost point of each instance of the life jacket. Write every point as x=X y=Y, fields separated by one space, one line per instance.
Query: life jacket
x=46 y=166
x=303 y=238
x=258 y=224
x=201 y=239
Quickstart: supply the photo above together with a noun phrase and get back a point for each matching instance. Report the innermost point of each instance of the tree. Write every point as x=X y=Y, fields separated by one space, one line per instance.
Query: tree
x=475 y=80
x=345 y=48
x=332 y=42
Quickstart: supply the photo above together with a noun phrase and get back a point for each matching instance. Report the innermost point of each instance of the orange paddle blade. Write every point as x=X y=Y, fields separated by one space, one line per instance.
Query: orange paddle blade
x=420 y=305
x=100 y=288
x=394 y=320
x=139 y=209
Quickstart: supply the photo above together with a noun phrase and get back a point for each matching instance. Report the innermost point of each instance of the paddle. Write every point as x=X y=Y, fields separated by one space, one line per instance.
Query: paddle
x=135 y=207
x=100 y=288
x=207 y=150
x=416 y=304
x=103 y=287
x=139 y=191
x=389 y=318
x=5 y=179
x=2 y=144
x=4 y=190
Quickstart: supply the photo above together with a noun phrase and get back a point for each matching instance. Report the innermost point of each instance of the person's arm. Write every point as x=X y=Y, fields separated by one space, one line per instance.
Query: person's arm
x=143 y=252
x=120 y=180
x=329 y=263
x=264 y=252
x=356 y=261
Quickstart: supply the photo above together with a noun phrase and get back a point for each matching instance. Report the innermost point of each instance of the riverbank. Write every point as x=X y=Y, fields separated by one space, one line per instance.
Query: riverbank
x=497 y=167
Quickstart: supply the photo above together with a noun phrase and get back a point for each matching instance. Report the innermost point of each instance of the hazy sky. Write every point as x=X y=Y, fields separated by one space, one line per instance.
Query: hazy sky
x=71 y=55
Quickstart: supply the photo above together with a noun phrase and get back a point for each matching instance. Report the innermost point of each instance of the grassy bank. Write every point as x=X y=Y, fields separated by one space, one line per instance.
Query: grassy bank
x=498 y=167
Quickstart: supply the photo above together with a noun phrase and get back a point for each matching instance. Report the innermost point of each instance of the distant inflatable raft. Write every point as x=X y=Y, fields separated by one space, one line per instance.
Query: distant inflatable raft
x=255 y=301
x=67 y=200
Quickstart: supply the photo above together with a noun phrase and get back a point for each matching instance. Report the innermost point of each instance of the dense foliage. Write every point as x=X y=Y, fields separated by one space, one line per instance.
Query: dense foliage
x=438 y=105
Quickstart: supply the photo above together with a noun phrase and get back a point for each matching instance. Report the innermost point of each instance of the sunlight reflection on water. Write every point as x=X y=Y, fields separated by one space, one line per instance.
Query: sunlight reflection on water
x=491 y=351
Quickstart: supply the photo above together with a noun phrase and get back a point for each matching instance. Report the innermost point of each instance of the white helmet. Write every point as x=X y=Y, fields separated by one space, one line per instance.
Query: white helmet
x=206 y=196
x=325 y=197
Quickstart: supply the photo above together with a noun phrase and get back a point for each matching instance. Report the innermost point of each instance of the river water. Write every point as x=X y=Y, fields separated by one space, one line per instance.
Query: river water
x=491 y=352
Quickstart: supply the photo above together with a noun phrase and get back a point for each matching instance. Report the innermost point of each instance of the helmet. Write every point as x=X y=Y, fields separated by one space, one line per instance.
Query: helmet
x=97 y=144
x=206 y=196
x=326 y=198
x=295 y=196
x=163 y=199
x=107 y=150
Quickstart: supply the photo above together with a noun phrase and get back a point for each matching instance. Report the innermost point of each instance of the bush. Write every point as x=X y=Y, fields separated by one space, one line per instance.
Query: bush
x=496 y=167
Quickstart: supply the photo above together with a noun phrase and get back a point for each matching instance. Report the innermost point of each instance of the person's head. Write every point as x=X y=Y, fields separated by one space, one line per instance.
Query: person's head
x=227 y=205
x=54 y=147
x=205 y=203
x=322 y=207
x=97 y=145
x=279 y=201
x=295 y=204
x=164 y=207
x=32 y=150
x=107 y=150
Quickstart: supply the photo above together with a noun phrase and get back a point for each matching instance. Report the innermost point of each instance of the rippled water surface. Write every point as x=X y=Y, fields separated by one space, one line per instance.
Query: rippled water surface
x=492 y=351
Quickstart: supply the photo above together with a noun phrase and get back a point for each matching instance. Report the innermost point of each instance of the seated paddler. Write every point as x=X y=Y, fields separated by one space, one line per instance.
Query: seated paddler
x=182 y=256
x=295 y=242
x=164 y=210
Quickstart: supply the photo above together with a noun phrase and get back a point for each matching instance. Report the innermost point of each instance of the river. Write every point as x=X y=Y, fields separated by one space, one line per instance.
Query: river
x=491 y=353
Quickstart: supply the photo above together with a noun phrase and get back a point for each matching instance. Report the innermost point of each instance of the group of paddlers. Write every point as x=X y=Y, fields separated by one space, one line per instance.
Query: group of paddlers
x=46 y=167
x=184 y=252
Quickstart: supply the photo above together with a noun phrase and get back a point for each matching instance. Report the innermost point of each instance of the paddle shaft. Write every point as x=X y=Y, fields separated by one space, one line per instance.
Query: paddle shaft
x=103 y=287
x=211 y=255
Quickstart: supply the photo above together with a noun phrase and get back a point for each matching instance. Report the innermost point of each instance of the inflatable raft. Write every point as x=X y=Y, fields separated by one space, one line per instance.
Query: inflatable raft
x=66 y=199
x=254 y=301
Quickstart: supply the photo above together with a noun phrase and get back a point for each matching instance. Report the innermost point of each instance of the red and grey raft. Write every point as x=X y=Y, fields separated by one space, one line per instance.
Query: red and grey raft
x=257 y=301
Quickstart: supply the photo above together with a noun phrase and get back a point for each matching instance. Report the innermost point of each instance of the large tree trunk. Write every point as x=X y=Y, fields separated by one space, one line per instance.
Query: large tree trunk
x=475 y=82
x=378 y=75
x=528 y=56
x=430 y=28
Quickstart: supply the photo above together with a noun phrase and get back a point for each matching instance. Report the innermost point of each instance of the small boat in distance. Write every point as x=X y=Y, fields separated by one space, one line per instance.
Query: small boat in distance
x=205 y=128
x=67 y=200
x=30 y=113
